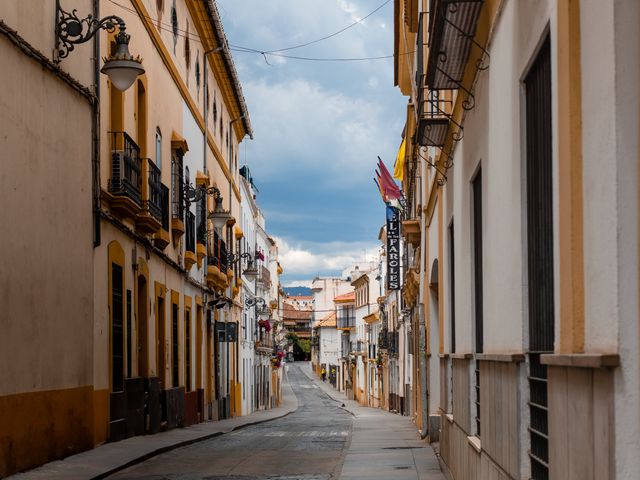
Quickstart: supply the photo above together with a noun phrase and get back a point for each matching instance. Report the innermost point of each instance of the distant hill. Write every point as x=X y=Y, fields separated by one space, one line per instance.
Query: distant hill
x=298 y=291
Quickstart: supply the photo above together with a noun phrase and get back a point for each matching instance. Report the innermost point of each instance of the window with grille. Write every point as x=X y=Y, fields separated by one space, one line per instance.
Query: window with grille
x=539 y=252
x=117 y=340
x=452 y=289
x=129 y=336
x=177 y=185
x=477 y=274
x=187 y=350
x=174 y=345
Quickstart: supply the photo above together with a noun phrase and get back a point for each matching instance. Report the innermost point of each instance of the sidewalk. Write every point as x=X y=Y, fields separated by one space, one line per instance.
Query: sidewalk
x=383 y=445
x=109 y=458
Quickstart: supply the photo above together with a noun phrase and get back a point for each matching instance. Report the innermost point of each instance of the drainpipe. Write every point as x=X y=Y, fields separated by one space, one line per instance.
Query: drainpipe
x=423 y=372
x=421 y=320
x=95 y=134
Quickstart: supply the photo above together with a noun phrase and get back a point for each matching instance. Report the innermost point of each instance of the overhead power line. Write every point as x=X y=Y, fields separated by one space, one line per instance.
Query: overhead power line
x=321 y=38
x=192 y=36
x=315 y=59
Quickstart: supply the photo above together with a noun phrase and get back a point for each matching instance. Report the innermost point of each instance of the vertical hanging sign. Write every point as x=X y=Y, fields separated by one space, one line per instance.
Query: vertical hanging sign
x=393 y=249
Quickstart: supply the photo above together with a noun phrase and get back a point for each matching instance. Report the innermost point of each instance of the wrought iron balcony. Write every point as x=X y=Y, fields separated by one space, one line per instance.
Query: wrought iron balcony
x=264 y=276
x=126 y=168
x=452 y=29
x=190 y=233
x=346 y=322
x=383 y=339
x=434 y=116
x=154 y=203
x=164 y=202
x=217 y=251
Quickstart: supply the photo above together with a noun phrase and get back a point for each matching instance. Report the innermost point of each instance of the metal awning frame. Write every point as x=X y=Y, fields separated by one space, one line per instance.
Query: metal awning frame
x=441 y=56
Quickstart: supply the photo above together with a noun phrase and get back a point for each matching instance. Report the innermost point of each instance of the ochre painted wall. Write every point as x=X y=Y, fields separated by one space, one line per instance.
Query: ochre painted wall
x=38 y=427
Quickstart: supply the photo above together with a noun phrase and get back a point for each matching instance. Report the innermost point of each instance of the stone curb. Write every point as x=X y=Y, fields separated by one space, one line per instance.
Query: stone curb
x=168 y=448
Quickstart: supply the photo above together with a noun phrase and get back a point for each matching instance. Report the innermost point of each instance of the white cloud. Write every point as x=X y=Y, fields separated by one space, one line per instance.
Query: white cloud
x=312 y=259
x=298 y=283
x=297 y=116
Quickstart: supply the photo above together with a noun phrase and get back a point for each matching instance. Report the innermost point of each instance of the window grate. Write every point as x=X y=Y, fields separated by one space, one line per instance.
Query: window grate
x=539 y=425
x=477 y=397
x=187 y=350
x=117 y=333
x=174 y=345
x=540 y=253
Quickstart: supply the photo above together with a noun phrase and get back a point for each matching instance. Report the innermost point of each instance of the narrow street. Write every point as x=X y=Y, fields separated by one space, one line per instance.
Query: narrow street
x=307 y=444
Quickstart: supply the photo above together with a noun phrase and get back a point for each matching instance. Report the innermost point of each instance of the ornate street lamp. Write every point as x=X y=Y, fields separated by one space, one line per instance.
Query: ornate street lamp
x=219 y=215
x=251 y=272
x=261 y=306
x=121 y=67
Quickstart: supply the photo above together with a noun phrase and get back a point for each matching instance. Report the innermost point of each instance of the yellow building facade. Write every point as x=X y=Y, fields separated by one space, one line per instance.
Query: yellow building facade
x=107 y=197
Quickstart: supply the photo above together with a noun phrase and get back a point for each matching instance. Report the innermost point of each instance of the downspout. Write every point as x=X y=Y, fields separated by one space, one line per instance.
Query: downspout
x=421 y=320
x=95 y=134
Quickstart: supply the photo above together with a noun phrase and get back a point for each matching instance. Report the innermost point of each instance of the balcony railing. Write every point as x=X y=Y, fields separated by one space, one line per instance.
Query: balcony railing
x=201 y=227
x=217 y=251
x=154 y=203
x=346 y=321
x=125 y=167
x=372 y=351
x=265 y=276
x=265 y=341
x=164 y=202
x=190 y=232
x=177 y=187
x=434 y=116
x=383 y=339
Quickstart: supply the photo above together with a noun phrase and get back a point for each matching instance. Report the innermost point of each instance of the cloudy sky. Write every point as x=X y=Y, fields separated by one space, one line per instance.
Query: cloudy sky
x=318 y=126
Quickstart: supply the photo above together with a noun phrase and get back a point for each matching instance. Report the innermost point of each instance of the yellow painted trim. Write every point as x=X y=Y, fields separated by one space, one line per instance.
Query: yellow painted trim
x=201 y=252
x=179 y=142
x=145 y=18
x=570 y=202
x=202 y=179
x=189 y=259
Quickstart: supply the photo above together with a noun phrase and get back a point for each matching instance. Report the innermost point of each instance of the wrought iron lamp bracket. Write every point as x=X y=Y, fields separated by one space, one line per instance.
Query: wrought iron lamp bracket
x=258 y=302
x=72 y=30
x=237 y=257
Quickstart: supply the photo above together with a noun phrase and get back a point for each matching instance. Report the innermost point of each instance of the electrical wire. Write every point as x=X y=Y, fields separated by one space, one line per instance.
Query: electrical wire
x=317 y=59
x=236 y=48
x=322 y=38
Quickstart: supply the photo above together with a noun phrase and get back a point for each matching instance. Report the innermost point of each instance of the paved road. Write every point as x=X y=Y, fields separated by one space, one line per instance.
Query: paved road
x=308 y=444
